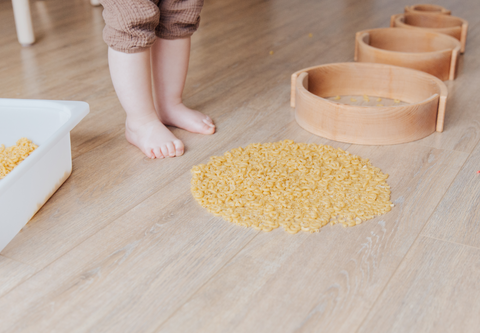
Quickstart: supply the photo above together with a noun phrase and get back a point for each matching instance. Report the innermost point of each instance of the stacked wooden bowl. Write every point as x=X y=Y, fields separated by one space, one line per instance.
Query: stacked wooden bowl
x=430 y=52
x=405 y=63
x=427 y=8
x=445 y=24
x=425 y=94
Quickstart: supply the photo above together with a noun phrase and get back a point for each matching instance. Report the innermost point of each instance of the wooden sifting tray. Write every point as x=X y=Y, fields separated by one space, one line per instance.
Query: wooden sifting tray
x=423 y=95
x=428 y=9
x=446 y=24
x=430 y=52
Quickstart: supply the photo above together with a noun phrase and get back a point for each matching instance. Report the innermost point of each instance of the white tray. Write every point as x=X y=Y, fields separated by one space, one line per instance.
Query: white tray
x=24 y=190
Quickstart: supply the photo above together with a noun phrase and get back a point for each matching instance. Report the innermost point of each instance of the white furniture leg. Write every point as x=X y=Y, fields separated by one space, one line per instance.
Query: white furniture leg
x=95 y=2
x=23 y=22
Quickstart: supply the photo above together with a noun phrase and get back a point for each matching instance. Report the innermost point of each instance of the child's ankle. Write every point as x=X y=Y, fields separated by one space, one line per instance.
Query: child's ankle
x=136 y=122
x=167 y=104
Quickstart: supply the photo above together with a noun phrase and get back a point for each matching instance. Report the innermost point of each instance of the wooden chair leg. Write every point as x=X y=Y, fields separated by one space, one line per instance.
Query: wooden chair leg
x=23 y=22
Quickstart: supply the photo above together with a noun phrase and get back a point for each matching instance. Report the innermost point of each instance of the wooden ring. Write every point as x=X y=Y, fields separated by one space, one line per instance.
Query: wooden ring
x=430 y=52
x=382 y=125
x=445 y=24
x=427 y=9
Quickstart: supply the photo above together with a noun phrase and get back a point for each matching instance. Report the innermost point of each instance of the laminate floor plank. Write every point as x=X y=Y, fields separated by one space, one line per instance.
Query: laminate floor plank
x=123 y=247
x=13 y=273
x=457 y=218
x=329 y=281
x=122 y=179
x=436 y=289
x=94 y=260
x=170 y=251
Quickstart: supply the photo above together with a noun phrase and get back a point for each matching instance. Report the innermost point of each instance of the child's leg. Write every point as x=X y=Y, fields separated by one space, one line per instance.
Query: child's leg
x=170 y=64
x=131 y=77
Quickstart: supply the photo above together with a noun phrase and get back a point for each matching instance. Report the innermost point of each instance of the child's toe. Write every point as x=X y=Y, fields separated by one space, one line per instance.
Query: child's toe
x=207 y=128
x=150 y=153
x=208 y=121
x=179 y=147
x=164 y=150
x=158 y=153
x=171 y=149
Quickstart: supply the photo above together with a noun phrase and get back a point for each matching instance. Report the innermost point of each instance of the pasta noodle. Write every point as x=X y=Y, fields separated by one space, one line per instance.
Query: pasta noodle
x=296 y=186
x=12 y=156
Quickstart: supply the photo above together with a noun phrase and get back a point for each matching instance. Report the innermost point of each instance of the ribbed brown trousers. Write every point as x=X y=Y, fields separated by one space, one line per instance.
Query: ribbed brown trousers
x=132 y=25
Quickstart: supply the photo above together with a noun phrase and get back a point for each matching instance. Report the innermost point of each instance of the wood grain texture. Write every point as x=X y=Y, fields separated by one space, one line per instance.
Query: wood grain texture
x=13 y=273
x=156 y=258
x=457 y=218
x=436 y=289
x=122 y=246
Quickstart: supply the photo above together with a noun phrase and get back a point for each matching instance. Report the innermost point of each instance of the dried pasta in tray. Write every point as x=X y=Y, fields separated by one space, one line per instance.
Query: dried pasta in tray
x=12 y=156
x=296 y=186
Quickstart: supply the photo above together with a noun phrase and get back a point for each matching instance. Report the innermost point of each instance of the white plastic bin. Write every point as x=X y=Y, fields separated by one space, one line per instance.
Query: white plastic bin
x=24 y=190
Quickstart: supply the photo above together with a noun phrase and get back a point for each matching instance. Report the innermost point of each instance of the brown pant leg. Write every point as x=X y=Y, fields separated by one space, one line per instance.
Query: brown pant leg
x=178 y=18
x=130 y=24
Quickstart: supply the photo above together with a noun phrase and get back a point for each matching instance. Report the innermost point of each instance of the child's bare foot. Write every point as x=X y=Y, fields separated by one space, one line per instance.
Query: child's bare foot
x=152 y=137
x=180 y=116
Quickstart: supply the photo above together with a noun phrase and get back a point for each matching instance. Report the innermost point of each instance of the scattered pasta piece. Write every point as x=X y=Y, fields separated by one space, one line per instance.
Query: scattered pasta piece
x=296 y=186
x=365 y=98
x=379 y=104
x=396 y=101
x=379 y=99
x=337 y=97
x=310 y=35
x=353 y=99
x=271 y=52
x=12 y=156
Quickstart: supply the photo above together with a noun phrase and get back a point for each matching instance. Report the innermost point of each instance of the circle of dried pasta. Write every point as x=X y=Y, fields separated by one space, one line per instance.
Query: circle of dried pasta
x=294 y=185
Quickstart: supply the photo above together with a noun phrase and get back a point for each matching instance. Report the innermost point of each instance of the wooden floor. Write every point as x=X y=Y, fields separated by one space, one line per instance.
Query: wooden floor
x=123 y=247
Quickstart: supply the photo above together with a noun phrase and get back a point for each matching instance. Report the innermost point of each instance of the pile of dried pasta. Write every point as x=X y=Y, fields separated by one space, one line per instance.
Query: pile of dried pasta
x=12 y=156
x=294 y=185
